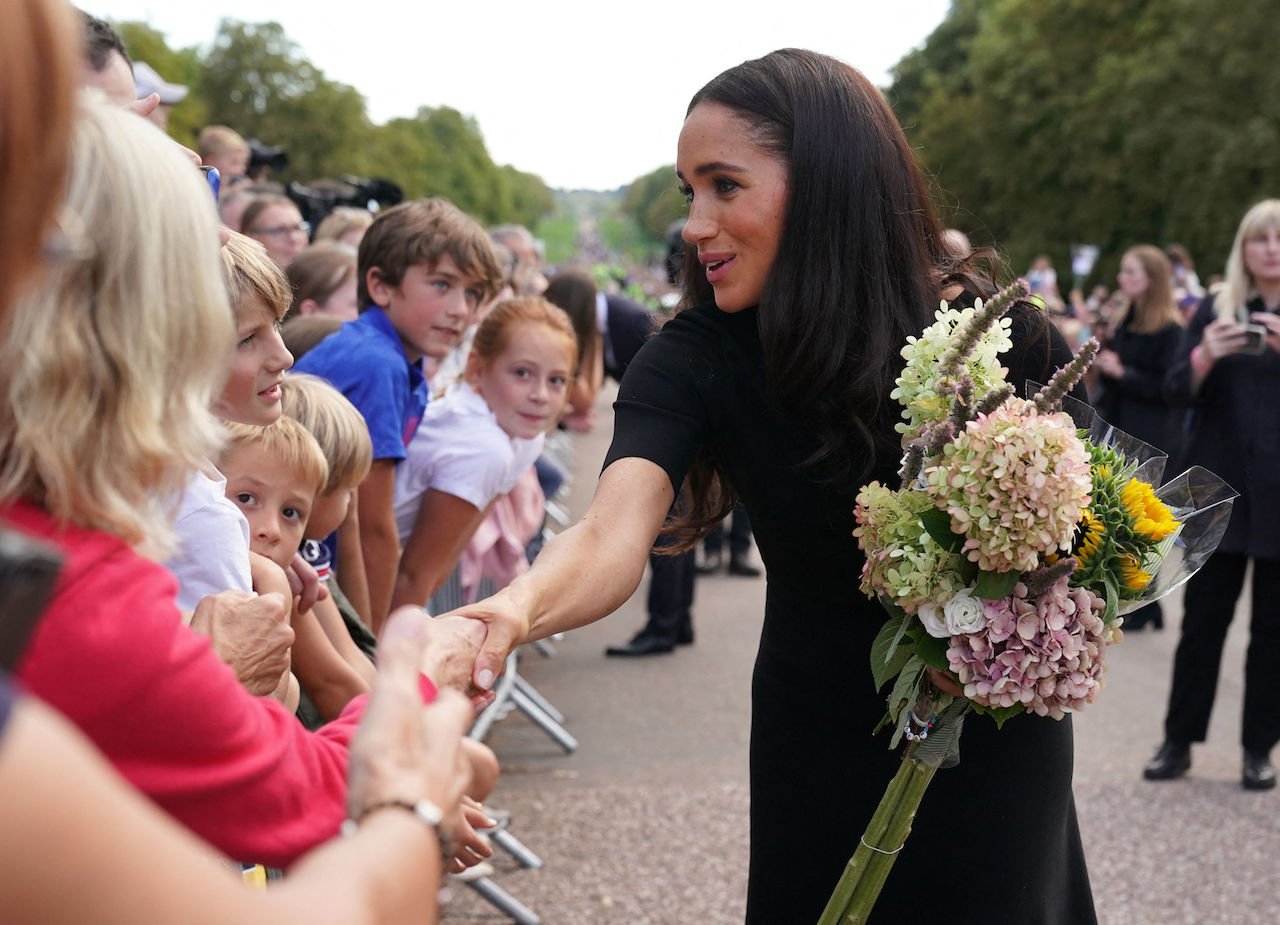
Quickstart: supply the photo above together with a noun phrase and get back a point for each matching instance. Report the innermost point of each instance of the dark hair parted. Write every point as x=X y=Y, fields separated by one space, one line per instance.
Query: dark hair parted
x=859 y=264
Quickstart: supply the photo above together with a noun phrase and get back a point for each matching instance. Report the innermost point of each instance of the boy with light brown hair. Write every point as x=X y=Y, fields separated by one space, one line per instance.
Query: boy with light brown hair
x=222 y=147
x=423 y=268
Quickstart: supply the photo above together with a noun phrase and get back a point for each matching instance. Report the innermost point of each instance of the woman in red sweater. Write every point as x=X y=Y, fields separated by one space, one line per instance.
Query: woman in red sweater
x=107 y=374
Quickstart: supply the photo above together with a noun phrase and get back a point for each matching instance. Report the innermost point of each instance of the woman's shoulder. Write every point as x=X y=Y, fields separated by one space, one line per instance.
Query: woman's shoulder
x=85 y=551
x=701 y=340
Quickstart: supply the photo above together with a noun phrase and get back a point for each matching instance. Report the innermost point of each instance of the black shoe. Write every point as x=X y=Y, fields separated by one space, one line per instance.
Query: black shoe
x=641 y=645
x=684 y=633
x=1171 y=760
x=1258 y=774
x=743 y=568
x=709 y=565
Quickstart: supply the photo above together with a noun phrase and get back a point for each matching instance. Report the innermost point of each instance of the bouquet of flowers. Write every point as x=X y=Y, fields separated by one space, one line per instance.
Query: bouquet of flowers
x=1022 y=531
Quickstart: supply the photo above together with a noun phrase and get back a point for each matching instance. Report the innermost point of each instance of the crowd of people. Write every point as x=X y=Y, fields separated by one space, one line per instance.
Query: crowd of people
x=1182 y=367
x=258 y=455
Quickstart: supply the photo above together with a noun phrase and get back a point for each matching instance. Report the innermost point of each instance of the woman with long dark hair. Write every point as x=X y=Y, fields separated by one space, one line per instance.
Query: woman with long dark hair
x=814 y=253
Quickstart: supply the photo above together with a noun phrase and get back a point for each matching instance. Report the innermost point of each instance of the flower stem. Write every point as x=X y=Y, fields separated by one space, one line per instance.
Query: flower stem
x=918 y=777
x=855 y=870
x=865 y=874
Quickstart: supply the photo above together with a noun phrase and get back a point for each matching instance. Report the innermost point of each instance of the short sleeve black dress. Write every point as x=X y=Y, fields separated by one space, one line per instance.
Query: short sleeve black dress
x=996 y=840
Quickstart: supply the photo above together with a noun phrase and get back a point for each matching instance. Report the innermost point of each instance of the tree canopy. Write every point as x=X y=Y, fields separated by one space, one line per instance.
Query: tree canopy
x=1046 y=123
x=256 y=80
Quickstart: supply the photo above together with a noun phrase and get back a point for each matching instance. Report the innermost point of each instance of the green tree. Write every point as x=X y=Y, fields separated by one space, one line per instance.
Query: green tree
x=654 y=202
x=181 y=66
x=1051 y=122
x=257 y=81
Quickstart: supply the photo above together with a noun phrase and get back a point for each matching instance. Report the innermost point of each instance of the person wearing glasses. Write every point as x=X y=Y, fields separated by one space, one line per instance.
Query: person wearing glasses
x=276 y=222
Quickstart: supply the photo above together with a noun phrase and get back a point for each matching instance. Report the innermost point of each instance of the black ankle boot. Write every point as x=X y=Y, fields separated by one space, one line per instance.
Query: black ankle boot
x=1257 y=774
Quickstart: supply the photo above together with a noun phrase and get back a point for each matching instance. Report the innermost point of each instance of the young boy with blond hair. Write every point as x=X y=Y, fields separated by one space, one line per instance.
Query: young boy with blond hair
x=224 y=148
x=340 y=431
x=423 y=267
x=213 y=554
x=277 y=476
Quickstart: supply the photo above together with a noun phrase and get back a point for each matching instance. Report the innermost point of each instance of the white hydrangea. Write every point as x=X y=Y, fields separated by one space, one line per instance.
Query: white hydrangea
x=917 y=387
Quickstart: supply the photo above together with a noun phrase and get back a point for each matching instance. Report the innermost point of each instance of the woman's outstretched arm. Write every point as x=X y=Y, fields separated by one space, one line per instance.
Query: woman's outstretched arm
x=585 y=573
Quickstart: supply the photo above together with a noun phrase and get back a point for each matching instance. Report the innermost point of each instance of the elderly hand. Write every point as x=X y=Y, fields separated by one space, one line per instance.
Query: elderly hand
x=503 y=630
x=404 y=752
x=251 y=633
x=452 y=646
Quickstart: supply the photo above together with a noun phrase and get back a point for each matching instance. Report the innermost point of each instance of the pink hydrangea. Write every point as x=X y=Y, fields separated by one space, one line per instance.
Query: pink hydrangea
x=1045 y=653
x=1015 y=483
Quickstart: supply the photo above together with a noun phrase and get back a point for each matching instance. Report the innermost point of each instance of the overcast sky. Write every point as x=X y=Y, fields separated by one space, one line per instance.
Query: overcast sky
x=584 y=94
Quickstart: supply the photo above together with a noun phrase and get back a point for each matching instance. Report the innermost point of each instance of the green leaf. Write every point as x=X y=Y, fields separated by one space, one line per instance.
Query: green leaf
x=905 y=691
x=938 y=525
x=888 y=655
x=992 y=586
x=1113 y=597
x=933 y=651
x=1000 y=714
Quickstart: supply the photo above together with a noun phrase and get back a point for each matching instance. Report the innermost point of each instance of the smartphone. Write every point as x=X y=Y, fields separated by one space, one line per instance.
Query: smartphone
x=1255 y=339
x=28 y=572
x=214 y=179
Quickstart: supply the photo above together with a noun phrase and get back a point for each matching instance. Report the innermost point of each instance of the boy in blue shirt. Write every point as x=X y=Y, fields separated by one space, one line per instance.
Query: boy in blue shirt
x=423 y=268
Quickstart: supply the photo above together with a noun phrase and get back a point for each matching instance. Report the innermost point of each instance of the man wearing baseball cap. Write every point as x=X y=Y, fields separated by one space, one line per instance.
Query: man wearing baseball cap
x=147 y=81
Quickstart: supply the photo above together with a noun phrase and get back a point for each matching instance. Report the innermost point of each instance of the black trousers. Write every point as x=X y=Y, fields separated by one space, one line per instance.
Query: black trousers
x=670 y=592
x=1210 y=602
x=739 y=534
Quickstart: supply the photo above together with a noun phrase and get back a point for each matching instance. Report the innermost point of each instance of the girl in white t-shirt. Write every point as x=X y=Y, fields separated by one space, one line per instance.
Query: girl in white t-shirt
x=476 y=441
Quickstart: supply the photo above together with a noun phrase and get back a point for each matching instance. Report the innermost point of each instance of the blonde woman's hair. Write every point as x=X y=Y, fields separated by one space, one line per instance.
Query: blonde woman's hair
x=338 y=427
x=287 y=441
x=1239 y=287
x=1156 y=310
x=111 y=365
x=342 y=221
x=319 y=271
x=39 y=70
x=249 y=272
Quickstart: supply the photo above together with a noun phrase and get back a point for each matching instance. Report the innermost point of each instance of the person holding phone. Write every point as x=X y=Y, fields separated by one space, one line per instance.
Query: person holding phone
x=1228 y=370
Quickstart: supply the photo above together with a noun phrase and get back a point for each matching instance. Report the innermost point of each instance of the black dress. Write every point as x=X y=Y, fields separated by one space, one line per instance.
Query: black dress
x=1135 y=402
x=996 y=840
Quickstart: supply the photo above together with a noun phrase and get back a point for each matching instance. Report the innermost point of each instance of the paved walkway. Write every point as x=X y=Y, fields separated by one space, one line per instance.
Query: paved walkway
x=646 y=823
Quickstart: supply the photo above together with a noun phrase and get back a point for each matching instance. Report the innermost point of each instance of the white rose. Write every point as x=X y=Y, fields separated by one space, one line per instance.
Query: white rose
x=930 y=615
x=964 y=614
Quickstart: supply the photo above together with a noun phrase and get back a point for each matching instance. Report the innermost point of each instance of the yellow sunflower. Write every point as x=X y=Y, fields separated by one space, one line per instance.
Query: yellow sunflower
x=1092 y=531
x=1133 y=576
x=1151 y=516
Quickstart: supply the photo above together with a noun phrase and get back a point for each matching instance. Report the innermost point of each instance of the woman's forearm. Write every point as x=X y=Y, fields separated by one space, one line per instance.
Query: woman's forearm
x=591 y=569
